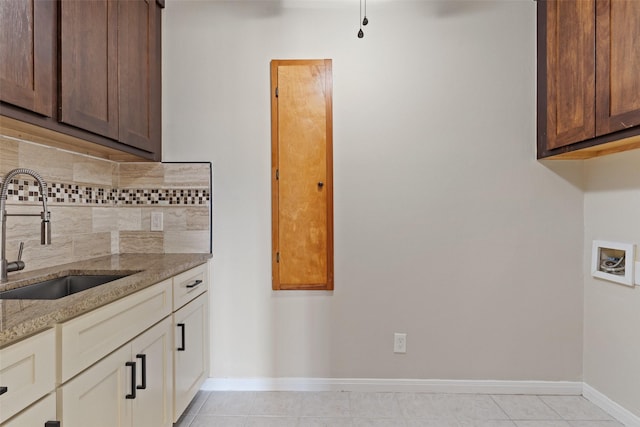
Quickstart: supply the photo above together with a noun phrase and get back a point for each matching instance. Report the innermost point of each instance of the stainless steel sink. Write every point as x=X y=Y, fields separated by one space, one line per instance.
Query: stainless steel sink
x=60 y=287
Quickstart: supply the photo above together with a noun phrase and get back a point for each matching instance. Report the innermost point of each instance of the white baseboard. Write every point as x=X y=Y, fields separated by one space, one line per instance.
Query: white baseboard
x=394 y=385
x=623 y=415
x=568 y=388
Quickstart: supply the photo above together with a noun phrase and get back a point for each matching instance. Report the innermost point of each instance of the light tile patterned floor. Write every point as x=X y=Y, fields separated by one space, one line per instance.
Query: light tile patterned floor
x=358 y=409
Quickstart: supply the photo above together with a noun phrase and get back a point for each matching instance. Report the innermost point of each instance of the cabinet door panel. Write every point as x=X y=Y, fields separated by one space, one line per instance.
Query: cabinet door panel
x=570 y=72
x=152 y=406
x=36 y=415
x=138 y=74
x=618 y=65
x=27 y=58
x=27 y=370
x=190 y=364
x=89 y=79
x=96 y=397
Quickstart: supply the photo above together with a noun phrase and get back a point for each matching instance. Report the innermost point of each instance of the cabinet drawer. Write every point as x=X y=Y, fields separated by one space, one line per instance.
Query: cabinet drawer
x=188 y=285
x=27 y=370
x=86 y=339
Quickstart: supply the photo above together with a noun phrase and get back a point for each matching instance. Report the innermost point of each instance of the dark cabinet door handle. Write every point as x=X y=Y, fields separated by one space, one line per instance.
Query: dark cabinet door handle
x=182 y=347
x=143 y=362
x=52 y=424
x=194 y=284
x=3 y=390
x=132 y=395
x=321 y=184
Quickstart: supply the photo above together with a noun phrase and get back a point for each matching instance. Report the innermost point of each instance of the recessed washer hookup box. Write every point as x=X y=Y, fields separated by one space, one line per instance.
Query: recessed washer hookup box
x=613 y=261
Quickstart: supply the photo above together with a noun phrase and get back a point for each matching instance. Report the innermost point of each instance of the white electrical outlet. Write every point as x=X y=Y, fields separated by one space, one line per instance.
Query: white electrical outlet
x=399 y=343
x=156 y=221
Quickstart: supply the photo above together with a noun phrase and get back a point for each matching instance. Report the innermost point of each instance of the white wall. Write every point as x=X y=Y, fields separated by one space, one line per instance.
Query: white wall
x=612 y=311
x=446 y=227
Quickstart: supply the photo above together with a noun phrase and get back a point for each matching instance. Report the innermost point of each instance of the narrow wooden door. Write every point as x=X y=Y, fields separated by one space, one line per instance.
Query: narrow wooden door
x=570 y=76
x=618 y=65
x=302 y=168
x=27 y=54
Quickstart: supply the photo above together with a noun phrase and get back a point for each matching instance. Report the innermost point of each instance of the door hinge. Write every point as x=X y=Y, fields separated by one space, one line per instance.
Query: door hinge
x=277 y=256
x=277 y=173
x=277 y=92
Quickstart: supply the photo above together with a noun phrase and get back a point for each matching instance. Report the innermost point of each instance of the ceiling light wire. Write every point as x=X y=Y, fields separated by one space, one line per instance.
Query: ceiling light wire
x=361 y=33
x=365 y=21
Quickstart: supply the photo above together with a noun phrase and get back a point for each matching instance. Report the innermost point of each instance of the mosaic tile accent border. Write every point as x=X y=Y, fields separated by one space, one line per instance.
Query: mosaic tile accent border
x=70 y=193
x=163 y=197
x=27 y=190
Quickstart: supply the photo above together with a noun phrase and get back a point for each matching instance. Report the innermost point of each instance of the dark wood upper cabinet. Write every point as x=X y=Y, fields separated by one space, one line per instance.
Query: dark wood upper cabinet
x=617 y=65
x=92 y=67
x=139 y=85
x=588 y=77
x=27 y=54
x=88 y=66
x=570 y=72
x=109 y=81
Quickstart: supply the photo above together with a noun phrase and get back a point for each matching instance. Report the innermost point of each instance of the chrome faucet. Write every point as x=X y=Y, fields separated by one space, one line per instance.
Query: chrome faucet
x=45 y=215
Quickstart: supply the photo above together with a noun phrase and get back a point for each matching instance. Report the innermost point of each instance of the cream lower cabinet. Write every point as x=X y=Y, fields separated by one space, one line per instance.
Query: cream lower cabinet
x=115 y=366
x=131 y=387
x=191 y=336
x=27 y=374
x=191 y=356
x=40 y=414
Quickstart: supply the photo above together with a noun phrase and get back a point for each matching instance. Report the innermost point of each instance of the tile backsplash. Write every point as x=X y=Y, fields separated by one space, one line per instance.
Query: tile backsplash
x=100 y=207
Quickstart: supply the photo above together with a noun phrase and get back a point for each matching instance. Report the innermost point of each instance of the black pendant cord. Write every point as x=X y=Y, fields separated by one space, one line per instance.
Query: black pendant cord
x=365 y=21
x=361 y=33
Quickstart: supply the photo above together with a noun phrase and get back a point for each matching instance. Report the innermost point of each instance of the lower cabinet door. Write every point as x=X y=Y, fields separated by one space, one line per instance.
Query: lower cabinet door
x=36 y=415
x=131 y=387
x=153 y=354
x=96 y=397
x=191 y=352
x=27 y=372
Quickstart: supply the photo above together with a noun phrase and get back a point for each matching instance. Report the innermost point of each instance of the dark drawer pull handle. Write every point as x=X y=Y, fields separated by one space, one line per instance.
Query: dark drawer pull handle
x=182 y=347
x=133 y=380
x=143 y=362
x=194 y=284
x=3 y=390
x=52 y=424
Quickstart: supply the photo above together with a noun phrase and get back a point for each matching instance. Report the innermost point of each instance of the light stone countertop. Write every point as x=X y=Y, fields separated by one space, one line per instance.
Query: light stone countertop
x=22 y=318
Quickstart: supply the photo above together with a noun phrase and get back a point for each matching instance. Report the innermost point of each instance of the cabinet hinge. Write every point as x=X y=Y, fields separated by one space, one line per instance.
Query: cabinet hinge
x=277 y=92
x=277 y=173
x=277 y=256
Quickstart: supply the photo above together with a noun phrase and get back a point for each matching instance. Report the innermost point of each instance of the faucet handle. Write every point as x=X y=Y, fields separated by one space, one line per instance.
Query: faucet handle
x=19 y=264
